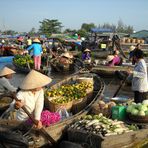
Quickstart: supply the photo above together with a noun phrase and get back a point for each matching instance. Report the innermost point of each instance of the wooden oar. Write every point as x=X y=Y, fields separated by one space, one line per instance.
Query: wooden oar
x=120 y=86
x=42 y=130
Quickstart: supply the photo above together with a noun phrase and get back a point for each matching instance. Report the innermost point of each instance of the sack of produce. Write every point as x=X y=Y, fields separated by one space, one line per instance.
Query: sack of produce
x=104 y=108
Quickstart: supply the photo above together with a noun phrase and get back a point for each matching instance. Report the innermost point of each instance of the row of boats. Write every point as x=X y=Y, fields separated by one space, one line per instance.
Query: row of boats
x=56 y=130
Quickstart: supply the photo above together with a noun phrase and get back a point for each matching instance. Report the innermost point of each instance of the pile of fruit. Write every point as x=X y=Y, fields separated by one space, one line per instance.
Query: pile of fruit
x=23 y=60
x=72 y=92
x=139 y=109
x=104 y=108
x=99 y=124
x=61 y=100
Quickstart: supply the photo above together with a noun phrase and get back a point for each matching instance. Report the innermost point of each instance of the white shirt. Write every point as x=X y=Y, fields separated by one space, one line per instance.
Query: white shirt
x=32 y=102
x=139 y=81
x=6 y=86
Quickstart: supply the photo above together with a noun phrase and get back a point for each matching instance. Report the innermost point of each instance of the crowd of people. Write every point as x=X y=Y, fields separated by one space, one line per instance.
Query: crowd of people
x=31 y=95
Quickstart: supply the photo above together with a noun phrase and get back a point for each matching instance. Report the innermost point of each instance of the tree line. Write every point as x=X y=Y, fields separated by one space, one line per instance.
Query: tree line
x=49 y=26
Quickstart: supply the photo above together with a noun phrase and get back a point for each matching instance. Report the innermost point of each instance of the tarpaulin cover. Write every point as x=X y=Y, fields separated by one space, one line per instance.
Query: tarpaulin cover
x=100 y=30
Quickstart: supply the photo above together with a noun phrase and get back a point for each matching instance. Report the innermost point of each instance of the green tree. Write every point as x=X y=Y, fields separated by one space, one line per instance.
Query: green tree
x=87 y=27
x=48 y=27
x=32 y=32
x=9 y=32
x=82 y=32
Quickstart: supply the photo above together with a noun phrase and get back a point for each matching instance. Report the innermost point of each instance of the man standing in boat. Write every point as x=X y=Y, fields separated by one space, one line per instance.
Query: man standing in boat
x=139 y=80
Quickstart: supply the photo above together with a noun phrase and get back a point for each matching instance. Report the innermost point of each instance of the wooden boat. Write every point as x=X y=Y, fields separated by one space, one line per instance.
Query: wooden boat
x=129 y=140
x=107 y=71
x=21 y=69
x=56 y=130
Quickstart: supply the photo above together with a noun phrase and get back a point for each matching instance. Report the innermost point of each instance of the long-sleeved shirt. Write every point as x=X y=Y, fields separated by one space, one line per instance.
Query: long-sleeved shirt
x=37 y=49
x=86 y=56
x=115 y=61
x=33 y=103
x=139 y=81
x=5 y=86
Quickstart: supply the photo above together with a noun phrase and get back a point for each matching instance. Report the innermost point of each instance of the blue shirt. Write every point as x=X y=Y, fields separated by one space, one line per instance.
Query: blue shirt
x=37 y=49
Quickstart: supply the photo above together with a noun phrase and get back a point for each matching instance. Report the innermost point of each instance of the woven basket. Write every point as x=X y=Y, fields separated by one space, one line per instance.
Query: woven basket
x=53 y=107
x=85 y=79
x=105 y=112
x=78 y=105
x=140 y=119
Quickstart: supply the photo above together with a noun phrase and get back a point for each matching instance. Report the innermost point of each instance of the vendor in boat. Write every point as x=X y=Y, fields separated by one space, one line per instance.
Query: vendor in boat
x=139 y=80
x=66 y=58
x=5 y=86
x=114 y=60
x=86 y=56
x=131 y=54
x=37 y=51
x=31 y=96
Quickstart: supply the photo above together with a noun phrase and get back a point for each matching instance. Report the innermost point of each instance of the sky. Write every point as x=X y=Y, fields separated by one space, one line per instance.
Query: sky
x=22 y=15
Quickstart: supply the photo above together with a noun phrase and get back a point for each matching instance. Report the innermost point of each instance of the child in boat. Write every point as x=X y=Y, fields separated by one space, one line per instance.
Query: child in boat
x=31 y=96
x=114 y=60
x=37 y=51
x=86 y=56
x=5 y=86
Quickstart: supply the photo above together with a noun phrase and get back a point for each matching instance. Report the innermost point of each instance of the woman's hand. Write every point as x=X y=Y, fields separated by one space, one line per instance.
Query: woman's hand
x=19 y=104
x=38 y=125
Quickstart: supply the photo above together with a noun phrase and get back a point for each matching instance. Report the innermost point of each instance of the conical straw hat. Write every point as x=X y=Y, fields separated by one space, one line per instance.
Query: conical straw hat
x=87 y=50
x=67 y=54
x=6 y=71
x=35 y=80
x=132 y=48
x=109 y=58
x=36 y=40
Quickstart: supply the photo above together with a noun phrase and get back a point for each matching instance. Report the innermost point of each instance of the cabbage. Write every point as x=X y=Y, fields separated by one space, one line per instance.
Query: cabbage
x=145 y=102
x=142 y=108
x=129 y=108
x=134 y=111
x=141 y=113
x=146 y=113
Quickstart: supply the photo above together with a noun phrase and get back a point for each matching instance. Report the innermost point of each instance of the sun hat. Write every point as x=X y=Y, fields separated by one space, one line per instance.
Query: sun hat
x=36 y=40
x=67 y=55
x=132 y=48
x=6 y=71
x=109 y=58
x=87 y=50
x=35 y=80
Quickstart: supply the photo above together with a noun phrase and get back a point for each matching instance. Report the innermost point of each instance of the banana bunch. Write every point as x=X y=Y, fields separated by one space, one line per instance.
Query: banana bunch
x=23 y=60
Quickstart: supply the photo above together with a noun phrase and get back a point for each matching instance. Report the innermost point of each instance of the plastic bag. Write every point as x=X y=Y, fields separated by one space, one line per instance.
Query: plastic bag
x=63 y=113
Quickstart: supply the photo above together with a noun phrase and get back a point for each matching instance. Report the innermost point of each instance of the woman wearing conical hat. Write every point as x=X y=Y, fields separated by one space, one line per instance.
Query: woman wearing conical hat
x=31 y=96
x=5 y=86
x=86 y=56
x=37 y=51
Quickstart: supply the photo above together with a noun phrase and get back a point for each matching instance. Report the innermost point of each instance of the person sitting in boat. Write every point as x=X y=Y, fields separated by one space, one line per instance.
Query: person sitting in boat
x=86 y=56
x=65 y=58
x=31 y=96
x=37 y=52
x=114 y=60
x=5 y=86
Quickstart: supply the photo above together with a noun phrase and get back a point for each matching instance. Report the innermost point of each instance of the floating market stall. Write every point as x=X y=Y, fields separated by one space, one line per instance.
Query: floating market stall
x=84 y=101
